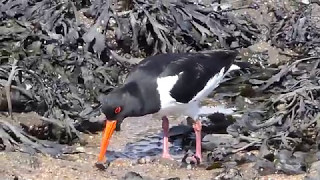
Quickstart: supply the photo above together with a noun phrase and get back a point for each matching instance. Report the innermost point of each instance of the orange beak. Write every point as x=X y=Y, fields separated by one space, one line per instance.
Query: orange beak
x=108 y=131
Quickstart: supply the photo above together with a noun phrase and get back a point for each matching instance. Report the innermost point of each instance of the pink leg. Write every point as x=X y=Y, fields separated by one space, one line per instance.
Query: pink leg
x=197 y=129
x=165 y=126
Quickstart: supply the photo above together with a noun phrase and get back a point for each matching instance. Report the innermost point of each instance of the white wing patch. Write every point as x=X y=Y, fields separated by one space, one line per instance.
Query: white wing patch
x=210 y=86
x=165 y=84
x=169 y=106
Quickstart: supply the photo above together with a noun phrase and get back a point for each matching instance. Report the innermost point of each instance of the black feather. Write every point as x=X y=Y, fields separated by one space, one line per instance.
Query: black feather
x=196 y=68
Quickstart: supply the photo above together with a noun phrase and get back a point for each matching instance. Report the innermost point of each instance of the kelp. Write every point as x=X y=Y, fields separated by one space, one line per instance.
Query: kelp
x=44 y=68
x=54 y=63
x=152 y=27
x=59 y=68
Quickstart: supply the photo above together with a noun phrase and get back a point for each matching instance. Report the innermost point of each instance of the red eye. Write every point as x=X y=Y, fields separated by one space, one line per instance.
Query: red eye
x=117 y=110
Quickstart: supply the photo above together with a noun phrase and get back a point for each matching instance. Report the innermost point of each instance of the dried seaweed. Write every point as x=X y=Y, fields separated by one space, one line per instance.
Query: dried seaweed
x=171 y=26
x=52 y=63
x=61 y=68
x=47 y=69
x=287 y=121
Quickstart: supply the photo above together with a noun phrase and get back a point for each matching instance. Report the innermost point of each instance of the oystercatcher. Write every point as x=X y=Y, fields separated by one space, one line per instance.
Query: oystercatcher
x=166 y=84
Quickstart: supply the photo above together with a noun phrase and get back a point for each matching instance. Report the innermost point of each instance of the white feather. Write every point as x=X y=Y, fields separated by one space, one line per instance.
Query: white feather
x=165 y=84
x=169 y=106
x=209 y=87
x=233 y=67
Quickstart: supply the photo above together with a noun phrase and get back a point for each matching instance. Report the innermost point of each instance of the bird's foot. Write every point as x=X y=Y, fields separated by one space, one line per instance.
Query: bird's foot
x=167 y=156
x=196 y=159
x=191 y=160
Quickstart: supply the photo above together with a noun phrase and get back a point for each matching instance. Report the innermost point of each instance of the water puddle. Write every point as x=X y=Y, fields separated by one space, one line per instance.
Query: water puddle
x=149 y=146
x=152 y=146
x=141 y=137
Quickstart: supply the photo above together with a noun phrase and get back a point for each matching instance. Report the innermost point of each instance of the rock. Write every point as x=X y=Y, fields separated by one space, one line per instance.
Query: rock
x=141 y=161
x=132 y=176
x=168 y=162
x=135 y=176
x=229 y=174
x=249 y=172
x=211 y=141
x=102 y=166
x=314 y=18
x=314 y=171
x=144 y=160
x=305 y=1
x=312 y=177
x=260 y=47
x=174 y=178
x=148 y=159
x=274 y=53
x=281 y=107
x=265 y=167
x=289 y=164
x=80 y=149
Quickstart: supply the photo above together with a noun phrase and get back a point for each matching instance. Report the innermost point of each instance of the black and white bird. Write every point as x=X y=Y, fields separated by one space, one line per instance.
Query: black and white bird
x=167 y=84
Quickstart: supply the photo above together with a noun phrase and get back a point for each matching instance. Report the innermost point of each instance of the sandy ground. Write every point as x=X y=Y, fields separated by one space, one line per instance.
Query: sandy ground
x=22 y=166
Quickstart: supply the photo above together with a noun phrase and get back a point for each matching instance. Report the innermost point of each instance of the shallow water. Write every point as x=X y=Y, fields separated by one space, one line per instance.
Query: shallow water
x=142 y=136
x=148 y=145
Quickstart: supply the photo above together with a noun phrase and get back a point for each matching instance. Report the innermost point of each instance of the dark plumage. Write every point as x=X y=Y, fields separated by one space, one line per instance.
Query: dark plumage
x=139 y=92
x=168 y=84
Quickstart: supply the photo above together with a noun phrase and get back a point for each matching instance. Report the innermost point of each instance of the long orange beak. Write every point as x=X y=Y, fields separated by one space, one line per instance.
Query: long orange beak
x=108 y=131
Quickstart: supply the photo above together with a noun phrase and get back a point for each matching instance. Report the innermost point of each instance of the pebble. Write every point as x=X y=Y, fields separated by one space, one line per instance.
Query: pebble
x=281 y=107
x=305 y=1
x=102 y=166
x=148 y=159
x=80 y=149
x=168 y=162
x=174 y=178
x=144 y=160
x=121 y=162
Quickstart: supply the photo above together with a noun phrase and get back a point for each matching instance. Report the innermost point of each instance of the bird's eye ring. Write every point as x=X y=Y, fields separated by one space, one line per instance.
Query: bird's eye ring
x=117 y=110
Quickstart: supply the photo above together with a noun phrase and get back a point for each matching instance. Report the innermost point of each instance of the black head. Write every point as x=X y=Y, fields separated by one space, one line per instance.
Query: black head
x=113 y=106
x=117 y=105
x=120 y=104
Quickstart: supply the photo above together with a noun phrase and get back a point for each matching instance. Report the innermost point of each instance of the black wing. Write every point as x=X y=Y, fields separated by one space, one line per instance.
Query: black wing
x=197 y=70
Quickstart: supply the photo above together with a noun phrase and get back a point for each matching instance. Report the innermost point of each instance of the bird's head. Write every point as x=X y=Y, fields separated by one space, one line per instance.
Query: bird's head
x=116 y=106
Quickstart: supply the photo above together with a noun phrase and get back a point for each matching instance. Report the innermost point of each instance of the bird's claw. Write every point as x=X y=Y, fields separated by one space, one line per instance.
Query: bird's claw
x=195 y=159
x=191 y=158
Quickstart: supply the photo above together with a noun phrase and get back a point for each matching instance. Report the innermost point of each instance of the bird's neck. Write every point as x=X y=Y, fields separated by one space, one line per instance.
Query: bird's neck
x=133 y=99
x=138 y=100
